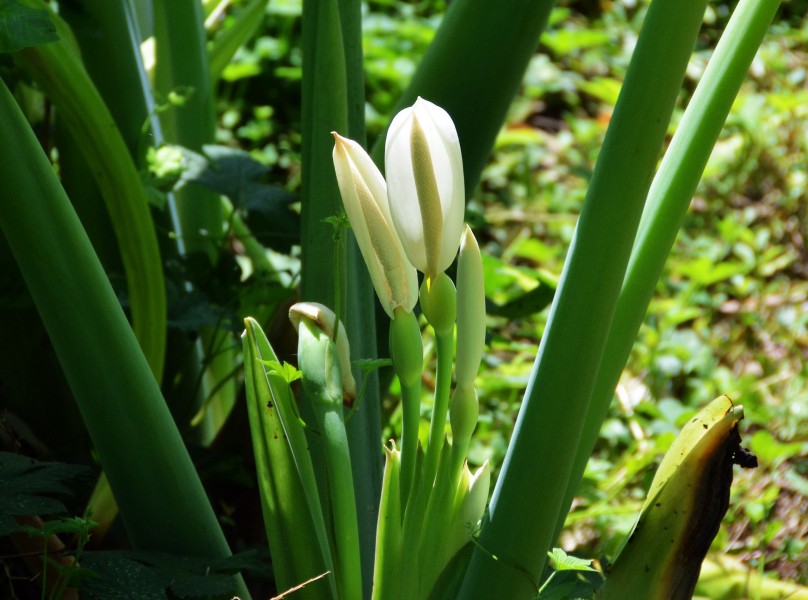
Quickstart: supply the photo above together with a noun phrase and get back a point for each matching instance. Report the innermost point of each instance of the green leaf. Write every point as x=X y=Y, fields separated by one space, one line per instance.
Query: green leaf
x=118 y=577
x=150 y=575
x=296 y=528
x=368 y=365
x=285 y=370
x=23 y=27
x=525 y=305
x=561 y=561
x=565 y=41
x=770 y=450
x=602 y=88
x=238 y=176
x=215 y=585
x=74 y=525
x=27 y=488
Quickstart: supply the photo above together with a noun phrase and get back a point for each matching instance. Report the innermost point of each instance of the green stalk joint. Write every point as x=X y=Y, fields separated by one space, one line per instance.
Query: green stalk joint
x=463 y=412
x=406 y=348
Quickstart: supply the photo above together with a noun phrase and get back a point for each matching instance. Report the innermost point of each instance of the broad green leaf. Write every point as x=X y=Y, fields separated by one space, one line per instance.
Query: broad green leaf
x=561 y=561
x=285 y=370
x=22 y=26
x=28 y=487
x=293 y=514
x=369 y=364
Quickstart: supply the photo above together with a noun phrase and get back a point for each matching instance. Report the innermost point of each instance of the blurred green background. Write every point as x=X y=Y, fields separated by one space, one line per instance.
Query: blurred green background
x=731 y=313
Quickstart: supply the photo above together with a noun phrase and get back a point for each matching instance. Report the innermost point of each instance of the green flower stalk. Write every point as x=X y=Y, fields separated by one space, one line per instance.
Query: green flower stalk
x=464 y=407
x=320 y=363
x=406 y=351
x=427 y=197
x=439 y=303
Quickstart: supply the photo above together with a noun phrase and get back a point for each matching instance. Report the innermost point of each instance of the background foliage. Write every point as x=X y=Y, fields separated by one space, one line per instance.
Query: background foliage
x=730 y=315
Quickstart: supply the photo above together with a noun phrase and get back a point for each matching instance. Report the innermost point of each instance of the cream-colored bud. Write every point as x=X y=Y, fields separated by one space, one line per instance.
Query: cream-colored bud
x=325 y=319
x=425 y=183
x=364 y=196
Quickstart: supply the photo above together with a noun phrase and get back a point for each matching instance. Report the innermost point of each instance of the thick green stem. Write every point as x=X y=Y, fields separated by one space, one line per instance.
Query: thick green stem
x=57 y=67
x=443 y=384
x=364 y=428
x=346 y=528
x=530 y=491
x=406 y=351
x=322 y=382
x=668 y=200
x=410 y=420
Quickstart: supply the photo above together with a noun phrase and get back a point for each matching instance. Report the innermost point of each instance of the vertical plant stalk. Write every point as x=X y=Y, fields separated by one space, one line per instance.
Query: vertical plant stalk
x=229 y=40
x=364 y=428
x=182 y=65
x=333 y=100
x=472 y=29
x=322 y=382
x=162 y=502
x=406 y=351
x=290 y=502
x=324 y=111
x=443 y=382
x=58 y=69
x=668 y=200
x=528 y=498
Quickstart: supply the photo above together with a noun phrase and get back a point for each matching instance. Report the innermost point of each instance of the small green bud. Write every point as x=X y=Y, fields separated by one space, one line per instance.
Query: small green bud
x=325 y=320
x=439 y=303
x=472 y=494
x=470 y=311
x=319 y=363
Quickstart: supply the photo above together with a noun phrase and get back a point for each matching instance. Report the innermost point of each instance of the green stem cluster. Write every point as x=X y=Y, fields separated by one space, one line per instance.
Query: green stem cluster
x=540 y=456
